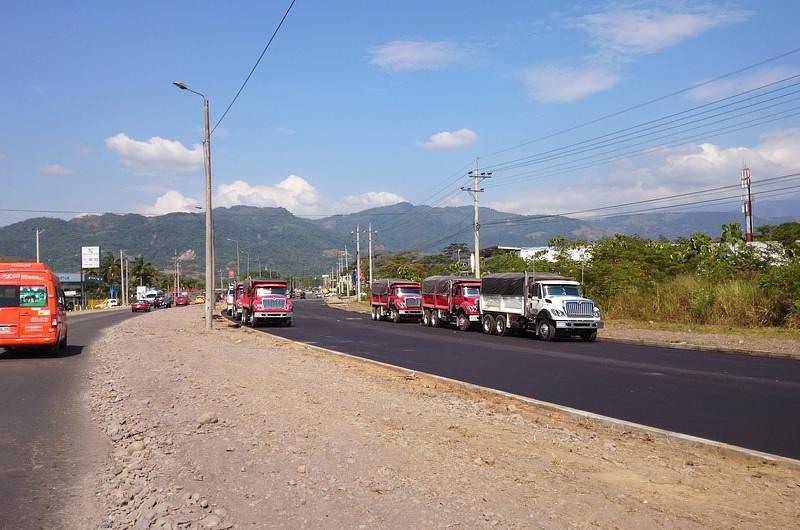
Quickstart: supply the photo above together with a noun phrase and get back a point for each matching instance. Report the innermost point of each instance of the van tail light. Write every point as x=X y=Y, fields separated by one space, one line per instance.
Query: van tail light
x=53 y=322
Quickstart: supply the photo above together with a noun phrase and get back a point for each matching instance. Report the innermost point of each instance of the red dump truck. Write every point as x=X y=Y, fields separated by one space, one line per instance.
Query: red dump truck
x=266 y=301
x=450 y=300
x=396 y=300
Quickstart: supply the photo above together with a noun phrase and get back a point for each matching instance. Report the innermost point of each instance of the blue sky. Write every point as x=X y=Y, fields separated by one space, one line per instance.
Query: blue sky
x=361 y=104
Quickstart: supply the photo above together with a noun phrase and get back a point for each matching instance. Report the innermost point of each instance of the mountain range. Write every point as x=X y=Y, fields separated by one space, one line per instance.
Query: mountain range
x=275 y=238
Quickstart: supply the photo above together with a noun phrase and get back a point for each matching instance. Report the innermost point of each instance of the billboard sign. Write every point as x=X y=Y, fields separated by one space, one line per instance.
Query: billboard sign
x=90 y=257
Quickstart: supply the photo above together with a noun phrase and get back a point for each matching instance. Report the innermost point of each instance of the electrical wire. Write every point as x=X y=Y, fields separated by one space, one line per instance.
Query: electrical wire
x=264 y=51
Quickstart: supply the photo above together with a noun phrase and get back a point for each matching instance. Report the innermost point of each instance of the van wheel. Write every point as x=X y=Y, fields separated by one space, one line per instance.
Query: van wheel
x=500 y=327
x=546 y=330
x=394 y=315
x=64 y=342
x=435 y=320
x=426 y=317
x=54 y=350
x=488 y=324
x=463 y=322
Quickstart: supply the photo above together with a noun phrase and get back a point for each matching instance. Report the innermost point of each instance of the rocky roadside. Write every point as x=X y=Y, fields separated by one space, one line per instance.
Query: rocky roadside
x=238 y=429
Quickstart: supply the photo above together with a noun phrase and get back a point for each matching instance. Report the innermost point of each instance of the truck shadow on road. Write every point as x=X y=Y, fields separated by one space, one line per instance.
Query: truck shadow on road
x=39 y=353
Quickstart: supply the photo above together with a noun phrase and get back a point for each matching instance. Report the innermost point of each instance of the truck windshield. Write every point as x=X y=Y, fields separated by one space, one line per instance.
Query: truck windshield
x=405 y=291
x=562 y=290
x=265 y=291
x=472 y=291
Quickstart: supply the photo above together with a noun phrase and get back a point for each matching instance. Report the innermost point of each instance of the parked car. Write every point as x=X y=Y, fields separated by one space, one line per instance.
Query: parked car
x=199 y=299
x=182 y=300
x=140 y=305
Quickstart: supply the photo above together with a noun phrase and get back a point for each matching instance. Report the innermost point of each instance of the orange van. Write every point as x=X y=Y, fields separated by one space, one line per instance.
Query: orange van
x=32 y=307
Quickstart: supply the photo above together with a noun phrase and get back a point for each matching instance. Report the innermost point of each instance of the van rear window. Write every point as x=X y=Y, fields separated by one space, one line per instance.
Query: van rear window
x=32 y=296
x=9 y=296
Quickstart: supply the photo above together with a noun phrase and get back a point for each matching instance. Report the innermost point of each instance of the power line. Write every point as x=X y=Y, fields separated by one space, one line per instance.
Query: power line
x=286 y=14
x=646 y=103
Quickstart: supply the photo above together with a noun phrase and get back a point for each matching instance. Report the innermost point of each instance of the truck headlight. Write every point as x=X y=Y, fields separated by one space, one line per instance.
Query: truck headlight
x=472 y=309
x=558 y=312
x=597 y=312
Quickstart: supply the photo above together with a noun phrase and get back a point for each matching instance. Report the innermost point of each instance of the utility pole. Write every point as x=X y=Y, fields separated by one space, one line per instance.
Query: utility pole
x=358 y=261
x=476 y=224
x=38 y=231
x=747 y=205
x=370 y=257
x=122 y=278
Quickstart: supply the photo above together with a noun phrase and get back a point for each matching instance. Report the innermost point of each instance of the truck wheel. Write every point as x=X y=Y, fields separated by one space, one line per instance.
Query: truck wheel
x=463 y=322
x=243 y=316
x=288 y=322
x=546 y=330
x=374 y=313
x=394 y=315
x=435 y=320
x=500 y=327
x=426 y=317
x=588 y=336
x=488 y=324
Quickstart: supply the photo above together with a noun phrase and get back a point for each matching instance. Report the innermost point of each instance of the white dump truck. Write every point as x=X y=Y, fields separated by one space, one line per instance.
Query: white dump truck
x=546 y=303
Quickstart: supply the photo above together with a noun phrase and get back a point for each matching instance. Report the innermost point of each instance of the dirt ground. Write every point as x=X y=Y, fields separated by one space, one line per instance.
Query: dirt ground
x=238 y=429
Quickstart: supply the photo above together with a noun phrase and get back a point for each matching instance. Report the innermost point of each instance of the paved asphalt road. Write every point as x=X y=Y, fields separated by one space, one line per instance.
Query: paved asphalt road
x=46 y=435
x=751 y=402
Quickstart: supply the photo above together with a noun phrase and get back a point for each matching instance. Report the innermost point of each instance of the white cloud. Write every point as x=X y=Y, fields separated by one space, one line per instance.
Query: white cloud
x=171 y=201
x=370 y=199
x=56 y=169
x=727 y=87
x=618 y=36
x=450 y=140
x=665 y=172
x=399 y=55
x=642 y=31
x=562 y=84
x=293 y=193
x=156 y=155
x=284 y=131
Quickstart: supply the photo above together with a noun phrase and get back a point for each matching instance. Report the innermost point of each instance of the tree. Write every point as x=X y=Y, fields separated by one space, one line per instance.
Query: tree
x=456 y=251
x=143 y=271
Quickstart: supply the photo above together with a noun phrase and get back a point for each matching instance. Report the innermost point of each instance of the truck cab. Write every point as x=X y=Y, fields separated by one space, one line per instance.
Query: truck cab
x=267 y=301
x=559 y=304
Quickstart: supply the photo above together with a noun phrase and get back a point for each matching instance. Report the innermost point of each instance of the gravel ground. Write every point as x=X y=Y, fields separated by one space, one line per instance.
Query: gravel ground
x=238 y=429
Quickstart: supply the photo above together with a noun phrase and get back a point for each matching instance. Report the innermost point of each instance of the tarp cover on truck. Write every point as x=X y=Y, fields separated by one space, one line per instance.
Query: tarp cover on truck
x=441 y=284
x=513 y=283
x=384 y=286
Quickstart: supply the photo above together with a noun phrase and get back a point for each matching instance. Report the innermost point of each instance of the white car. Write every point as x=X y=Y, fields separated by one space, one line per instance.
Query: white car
x=109 y=302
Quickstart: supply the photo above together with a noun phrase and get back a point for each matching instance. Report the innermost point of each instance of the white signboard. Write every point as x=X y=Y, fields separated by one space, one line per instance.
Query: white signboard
x=90 y=257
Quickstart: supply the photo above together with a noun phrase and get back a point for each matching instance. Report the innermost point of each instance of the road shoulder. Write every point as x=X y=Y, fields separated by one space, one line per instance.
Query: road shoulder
x=238 y=427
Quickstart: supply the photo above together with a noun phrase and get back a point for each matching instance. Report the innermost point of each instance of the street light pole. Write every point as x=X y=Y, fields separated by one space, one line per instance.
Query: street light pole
x=209 y=303
x=248 y=262
x=237 y=256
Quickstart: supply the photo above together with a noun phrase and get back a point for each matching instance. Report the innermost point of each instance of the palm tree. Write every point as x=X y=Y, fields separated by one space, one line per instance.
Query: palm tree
x=143 y=270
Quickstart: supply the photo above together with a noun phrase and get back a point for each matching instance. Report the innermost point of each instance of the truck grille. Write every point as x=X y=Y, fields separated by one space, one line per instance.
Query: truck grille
x=273 y=303
x=413 y=302
x=579 y=309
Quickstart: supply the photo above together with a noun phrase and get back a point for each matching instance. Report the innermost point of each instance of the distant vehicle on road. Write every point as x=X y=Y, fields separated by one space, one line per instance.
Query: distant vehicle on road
x=140 y=305
x=181 y=300
x=162 y=300
x=230 y=299
x=108 y=302
x=33 y=308
x=199 y=299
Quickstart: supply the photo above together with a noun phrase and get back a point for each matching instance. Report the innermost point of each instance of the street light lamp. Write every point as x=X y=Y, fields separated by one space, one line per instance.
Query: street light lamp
x=209 y=303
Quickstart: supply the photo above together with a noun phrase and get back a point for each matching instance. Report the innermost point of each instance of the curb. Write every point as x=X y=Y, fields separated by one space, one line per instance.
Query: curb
x=722 y=447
